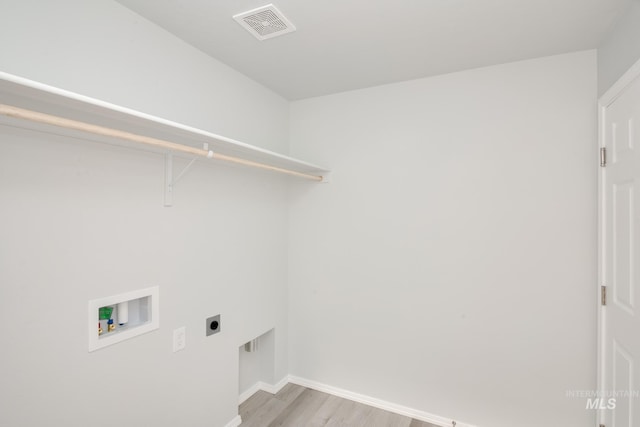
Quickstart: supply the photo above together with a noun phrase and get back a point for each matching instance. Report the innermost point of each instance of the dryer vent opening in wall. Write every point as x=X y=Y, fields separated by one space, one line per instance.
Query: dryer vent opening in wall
x=265 y=22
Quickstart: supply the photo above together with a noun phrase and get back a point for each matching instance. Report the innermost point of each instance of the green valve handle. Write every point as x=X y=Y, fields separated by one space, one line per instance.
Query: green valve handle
x=105 y=312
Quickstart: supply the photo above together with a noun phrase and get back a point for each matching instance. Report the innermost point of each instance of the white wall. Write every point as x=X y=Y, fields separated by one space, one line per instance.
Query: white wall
x=80 y=220
x=103 y=50
x=450 y=265
x=620 y=49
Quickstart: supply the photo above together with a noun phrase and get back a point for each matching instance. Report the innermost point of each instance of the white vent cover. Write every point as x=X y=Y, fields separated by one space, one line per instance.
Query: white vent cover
x=265 y=22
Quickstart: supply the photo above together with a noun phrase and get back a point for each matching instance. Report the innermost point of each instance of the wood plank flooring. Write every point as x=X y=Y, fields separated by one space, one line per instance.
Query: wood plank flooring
x=297 y=406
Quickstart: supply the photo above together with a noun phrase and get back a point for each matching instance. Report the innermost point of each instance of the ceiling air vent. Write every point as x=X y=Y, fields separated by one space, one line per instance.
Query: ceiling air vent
x=265 y=22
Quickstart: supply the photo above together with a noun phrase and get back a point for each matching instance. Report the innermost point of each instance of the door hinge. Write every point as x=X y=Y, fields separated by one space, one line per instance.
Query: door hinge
x=603 y=295
x=603 y=156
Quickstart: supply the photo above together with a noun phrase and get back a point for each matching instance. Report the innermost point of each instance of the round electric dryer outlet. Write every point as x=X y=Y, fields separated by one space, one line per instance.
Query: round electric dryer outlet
x=213 y=325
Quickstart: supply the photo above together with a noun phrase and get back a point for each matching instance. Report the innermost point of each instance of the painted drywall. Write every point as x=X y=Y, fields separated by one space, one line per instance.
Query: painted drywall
x=103 y=50
x=82 y=220
x=620 y=49
x=450 y=265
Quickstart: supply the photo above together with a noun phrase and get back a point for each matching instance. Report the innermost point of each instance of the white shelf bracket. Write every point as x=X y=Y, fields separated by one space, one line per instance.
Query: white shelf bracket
x=169 y=181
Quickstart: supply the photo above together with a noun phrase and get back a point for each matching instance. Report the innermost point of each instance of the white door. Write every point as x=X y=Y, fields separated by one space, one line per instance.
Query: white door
x=620 y=257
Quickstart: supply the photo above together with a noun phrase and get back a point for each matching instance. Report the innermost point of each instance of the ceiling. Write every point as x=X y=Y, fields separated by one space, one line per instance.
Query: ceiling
x=342 y=45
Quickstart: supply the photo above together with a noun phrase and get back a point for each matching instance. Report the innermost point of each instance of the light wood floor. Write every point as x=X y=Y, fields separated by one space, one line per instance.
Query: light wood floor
x=296 y=406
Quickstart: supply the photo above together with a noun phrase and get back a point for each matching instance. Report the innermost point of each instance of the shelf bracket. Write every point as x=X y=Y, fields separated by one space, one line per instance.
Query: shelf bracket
x=169 y=181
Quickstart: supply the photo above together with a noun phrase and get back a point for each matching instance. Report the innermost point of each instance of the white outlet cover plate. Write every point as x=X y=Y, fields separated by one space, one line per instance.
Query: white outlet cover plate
x=179 y=339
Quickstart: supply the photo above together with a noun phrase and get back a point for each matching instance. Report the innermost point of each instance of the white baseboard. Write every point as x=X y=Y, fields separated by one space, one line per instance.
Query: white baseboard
x=250 y=392
x=234 y=422
x=377 y=403
x=273 y=389
x=269 y=388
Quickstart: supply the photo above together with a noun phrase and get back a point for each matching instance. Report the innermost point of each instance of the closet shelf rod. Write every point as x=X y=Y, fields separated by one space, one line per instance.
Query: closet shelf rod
x=34 y=116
